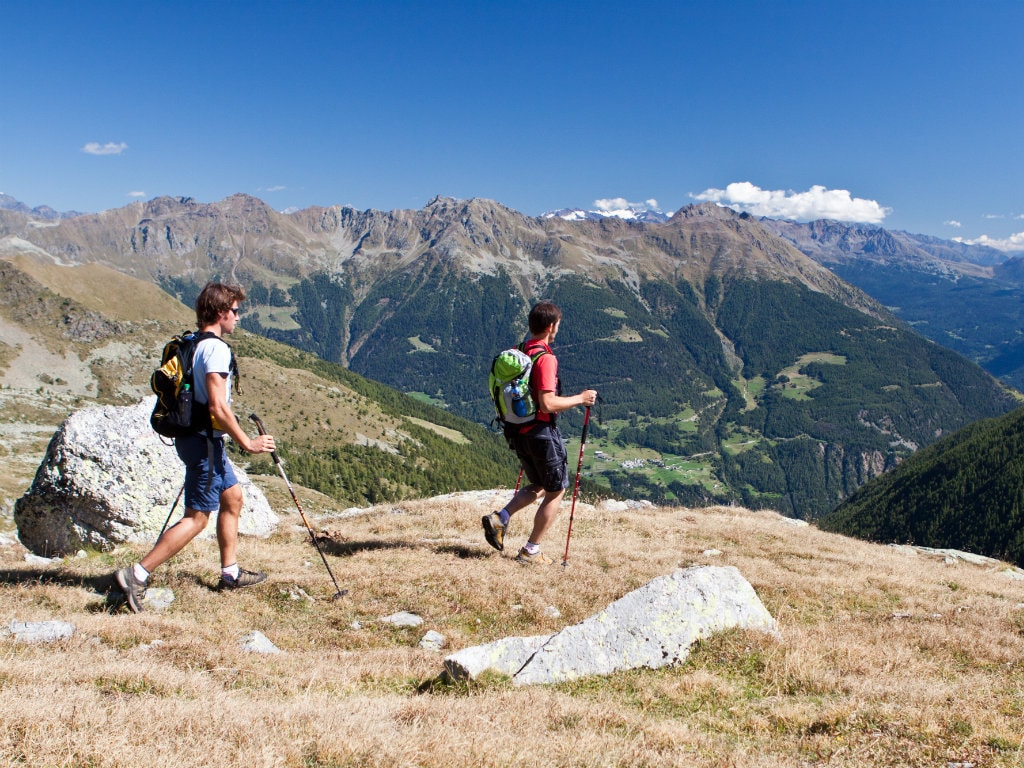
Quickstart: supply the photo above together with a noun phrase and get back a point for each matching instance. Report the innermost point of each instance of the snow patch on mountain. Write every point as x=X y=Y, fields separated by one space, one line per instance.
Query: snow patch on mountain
x=615 y=207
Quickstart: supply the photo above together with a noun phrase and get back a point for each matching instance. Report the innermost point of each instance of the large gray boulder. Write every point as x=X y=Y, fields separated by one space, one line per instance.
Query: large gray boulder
x=651 y=627
x=107 y=479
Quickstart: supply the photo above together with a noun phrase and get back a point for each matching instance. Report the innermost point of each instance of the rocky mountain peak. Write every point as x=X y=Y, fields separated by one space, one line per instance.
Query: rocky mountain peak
x=711 y=211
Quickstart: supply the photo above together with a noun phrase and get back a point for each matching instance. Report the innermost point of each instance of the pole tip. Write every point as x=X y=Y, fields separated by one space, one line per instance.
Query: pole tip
x=340 y=594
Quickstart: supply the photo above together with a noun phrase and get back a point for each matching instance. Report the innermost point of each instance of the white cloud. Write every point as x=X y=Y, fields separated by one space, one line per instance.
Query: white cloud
x=953 y=223
x=277 y=188
x=992 y=216
x=1011 y=243
x=613 y=204
x=816 y=203
x=137 y=193
x=110 y=148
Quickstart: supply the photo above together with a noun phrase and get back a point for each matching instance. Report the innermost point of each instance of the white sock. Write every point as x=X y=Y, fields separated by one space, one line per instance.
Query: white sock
x=140 y=573
x=531 y=548
x=230 y=570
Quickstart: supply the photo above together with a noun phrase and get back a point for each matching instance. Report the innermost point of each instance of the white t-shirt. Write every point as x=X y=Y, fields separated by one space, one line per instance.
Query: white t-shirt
x=212 y=356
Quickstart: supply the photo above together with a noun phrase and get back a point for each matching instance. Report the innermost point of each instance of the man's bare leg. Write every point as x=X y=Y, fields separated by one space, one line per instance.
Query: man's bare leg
x=547 y=513
x=175 y=538
x=227 y=524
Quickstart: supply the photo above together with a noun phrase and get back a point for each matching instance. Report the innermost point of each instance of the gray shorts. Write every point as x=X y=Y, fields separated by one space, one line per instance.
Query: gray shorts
x=541 y=453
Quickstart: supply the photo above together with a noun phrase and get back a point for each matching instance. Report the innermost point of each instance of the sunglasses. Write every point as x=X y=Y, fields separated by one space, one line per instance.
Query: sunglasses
x=235 y=311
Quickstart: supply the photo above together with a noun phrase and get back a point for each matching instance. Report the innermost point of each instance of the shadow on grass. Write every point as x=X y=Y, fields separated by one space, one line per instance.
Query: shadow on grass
x=348 y=548
x=104 y=584
x=446 y=685
x=462 y=551
x=101 y=583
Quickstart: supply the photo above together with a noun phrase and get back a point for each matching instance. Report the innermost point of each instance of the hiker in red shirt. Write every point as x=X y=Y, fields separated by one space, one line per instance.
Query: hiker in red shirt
x=539 y=445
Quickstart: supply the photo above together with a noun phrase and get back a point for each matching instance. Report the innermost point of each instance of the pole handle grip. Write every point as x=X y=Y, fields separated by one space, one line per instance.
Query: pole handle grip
x=259 y=426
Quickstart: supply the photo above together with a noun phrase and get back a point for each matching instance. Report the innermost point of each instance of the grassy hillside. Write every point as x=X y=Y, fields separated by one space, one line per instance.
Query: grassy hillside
x=359 y=441
x=885 y=657
x=85 y=335
x=966 y=492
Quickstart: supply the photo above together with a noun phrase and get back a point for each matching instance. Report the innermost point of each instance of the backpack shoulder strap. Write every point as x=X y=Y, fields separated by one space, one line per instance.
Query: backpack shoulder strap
x=232 y=366
x=194 y=338
x=537 y=353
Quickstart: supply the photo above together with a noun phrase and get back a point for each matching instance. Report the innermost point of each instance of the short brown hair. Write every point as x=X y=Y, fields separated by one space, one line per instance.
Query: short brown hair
x=543 y=315
x=214 y=299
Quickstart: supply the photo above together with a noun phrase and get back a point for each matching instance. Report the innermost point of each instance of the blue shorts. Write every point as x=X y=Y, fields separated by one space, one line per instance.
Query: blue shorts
x=208 y=472
x=541 y=452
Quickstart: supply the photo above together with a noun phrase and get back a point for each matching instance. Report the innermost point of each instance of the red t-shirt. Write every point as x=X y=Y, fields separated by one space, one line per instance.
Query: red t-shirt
x=544 y=376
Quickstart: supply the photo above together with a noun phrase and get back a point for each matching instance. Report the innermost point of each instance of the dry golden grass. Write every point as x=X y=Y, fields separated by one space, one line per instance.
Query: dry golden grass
x=103 y=289
x=884 y=658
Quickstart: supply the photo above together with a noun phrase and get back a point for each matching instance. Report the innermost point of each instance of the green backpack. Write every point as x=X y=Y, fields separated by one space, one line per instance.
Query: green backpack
x=509 y=385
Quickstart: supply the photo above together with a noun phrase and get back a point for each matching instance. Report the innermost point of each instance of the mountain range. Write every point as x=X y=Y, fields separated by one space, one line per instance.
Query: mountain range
x=969 y=298
x=45 y=212
x=966 y=297
x=732 y=365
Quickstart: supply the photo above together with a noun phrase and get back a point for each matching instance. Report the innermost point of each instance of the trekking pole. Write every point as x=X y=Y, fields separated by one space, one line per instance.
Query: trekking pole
x=175 y=504
x=518 y=481
x=579 y=467
x=273 y=454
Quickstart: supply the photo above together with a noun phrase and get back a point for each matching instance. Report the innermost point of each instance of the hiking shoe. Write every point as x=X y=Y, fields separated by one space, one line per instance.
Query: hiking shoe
x=133 y=588
x=494 y=531
x=526 y=558
x=245 y=579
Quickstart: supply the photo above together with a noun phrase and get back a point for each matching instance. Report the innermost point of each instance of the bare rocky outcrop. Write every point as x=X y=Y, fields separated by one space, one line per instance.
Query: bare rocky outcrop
x=107 y=479
x=651 y=627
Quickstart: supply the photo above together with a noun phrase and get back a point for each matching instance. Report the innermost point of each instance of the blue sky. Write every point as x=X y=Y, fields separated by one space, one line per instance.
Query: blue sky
x=906 y=114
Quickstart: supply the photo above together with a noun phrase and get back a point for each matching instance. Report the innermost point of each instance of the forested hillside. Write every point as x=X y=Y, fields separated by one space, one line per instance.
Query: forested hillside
x=969 y=298
x=776 y=394
x=435 y=452
x=964 y=492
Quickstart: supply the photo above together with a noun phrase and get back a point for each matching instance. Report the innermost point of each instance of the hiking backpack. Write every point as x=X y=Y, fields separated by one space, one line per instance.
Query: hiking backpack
x=176 y=412
x=509 y=385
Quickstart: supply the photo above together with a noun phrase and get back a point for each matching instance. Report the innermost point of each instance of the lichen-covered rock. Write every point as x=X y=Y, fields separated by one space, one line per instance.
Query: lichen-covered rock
x=107 y=479
x=39 y=631
x=651 y=627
